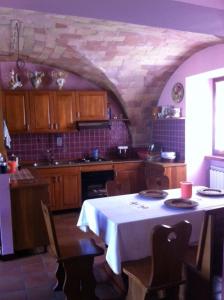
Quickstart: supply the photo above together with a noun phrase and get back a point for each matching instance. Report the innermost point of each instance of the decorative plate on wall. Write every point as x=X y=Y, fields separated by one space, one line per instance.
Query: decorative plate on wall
x=178 y=92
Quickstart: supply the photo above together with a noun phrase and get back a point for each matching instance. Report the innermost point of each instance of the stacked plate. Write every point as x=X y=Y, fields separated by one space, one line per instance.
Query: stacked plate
x=170 y=156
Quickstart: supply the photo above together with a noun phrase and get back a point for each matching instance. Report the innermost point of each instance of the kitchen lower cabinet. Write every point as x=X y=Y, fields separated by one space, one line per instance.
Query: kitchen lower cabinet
x=131 y=172
x=64 y=187
x=175 y=172
x=28 y=226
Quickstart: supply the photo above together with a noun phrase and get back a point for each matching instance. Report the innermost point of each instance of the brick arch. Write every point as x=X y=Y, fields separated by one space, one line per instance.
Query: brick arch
x=133 y=62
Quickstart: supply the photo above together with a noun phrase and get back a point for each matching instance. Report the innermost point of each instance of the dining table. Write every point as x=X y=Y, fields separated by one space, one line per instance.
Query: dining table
x=125 y=222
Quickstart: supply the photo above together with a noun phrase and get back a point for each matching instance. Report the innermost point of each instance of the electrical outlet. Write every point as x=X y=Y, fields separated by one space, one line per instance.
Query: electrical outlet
x=59 y=141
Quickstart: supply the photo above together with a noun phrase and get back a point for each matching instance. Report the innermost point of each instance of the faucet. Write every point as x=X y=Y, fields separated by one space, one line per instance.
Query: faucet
x=50 y=156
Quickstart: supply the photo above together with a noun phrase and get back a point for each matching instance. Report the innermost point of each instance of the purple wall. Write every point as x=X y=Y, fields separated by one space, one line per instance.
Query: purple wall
x=168 y=14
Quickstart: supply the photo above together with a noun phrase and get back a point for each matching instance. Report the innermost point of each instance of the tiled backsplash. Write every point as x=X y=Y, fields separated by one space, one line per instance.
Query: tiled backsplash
x=33 y=147
x=170 y=133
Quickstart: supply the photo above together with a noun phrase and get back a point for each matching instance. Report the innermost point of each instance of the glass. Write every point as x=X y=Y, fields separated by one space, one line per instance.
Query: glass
x=186 y=189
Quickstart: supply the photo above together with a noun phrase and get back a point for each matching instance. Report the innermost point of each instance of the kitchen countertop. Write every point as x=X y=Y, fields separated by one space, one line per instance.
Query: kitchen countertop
x=73 y=163
x=24 y=178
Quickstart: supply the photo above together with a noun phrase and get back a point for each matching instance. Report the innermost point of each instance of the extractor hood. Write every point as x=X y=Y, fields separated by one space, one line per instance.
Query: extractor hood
x=93 y=124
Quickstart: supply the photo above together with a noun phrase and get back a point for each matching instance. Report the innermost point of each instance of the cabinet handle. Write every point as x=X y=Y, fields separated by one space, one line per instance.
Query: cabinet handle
x=56 y=125
x=78 y=114
x=27 y=127
x=59 y=178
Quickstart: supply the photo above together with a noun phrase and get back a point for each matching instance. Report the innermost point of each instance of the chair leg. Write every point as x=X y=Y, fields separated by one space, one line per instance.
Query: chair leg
x=79 y=279
x=60 y=275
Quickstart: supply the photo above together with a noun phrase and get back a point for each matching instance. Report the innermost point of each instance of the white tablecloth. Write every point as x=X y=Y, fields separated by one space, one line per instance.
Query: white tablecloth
x=125 y=222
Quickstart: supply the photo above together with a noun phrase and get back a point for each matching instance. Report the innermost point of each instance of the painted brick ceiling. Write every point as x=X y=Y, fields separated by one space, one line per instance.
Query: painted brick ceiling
x=133 y=62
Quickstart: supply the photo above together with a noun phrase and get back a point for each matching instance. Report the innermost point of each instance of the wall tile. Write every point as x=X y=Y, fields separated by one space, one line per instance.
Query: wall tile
x=170 y=134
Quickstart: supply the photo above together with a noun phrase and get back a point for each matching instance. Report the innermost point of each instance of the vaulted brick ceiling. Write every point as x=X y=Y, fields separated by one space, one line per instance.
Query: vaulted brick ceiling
x=133 y=62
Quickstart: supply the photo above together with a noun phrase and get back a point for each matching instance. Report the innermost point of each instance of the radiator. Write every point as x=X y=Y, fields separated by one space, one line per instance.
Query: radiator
x=216 y=177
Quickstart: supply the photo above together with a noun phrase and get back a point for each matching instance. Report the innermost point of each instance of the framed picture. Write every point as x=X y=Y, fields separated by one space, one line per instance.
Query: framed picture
x=178 y=92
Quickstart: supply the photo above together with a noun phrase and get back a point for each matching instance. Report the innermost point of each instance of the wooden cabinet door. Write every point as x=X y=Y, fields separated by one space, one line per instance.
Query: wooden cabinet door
x=91 y=105
x=63 y=110
x=71 y=189
x=41 y=118
x=29 y=229
x=64 y=187
x=133 y=173
x=54 y=186
x=175 y=174
x=16 y=111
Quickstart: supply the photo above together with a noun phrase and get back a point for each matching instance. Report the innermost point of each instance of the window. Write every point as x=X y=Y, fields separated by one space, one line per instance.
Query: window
x=218 y=117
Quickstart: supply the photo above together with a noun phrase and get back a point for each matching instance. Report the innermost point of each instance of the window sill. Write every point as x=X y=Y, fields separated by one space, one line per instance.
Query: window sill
x=214 y=157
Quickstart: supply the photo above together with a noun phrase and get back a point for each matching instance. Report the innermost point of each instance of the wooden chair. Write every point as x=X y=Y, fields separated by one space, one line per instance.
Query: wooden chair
x=155 y=178
x=204 y=263
x=115 y=187
x=160 y=275
x=157 y=182
x=75 y=262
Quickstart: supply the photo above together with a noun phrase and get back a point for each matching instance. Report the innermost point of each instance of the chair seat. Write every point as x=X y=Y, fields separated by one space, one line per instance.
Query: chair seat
x=78 y=248
x=140 y=270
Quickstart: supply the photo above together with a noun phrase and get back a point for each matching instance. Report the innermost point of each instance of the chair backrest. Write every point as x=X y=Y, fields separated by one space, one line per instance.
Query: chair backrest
x=49 y=222
x=115 y=187
x=157 y=182
x=169 y=245
x=210 y=248
x=155 y=178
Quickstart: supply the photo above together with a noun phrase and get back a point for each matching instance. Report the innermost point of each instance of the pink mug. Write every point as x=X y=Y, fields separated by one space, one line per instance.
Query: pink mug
x=186 y=189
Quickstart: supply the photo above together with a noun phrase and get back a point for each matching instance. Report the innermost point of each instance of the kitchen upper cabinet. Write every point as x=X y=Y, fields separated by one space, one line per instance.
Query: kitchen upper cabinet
x=41 y=111
x=64 y=187
x=52 y=111
x=91 y=105
x=131 y=172
x=16 y=110
x=64 y=110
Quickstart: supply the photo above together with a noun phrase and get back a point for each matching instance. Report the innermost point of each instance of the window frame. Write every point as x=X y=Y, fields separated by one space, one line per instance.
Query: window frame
x=215 y=151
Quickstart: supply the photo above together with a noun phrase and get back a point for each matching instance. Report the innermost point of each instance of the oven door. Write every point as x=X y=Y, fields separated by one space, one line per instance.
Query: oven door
x=93 y=183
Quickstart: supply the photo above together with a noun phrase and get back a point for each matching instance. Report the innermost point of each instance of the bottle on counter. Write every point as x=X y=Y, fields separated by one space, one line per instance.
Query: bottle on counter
x=95 y=153
x=3 y=165
x=12 y=164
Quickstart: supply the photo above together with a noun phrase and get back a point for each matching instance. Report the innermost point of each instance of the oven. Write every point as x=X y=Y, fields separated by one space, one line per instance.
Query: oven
x=93 y=183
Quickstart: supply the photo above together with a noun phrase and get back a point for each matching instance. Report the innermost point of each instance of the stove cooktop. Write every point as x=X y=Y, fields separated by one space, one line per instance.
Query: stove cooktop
x=91 y=159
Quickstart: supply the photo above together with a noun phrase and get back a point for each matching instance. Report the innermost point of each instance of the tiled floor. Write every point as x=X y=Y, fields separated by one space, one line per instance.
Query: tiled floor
x=32 y=277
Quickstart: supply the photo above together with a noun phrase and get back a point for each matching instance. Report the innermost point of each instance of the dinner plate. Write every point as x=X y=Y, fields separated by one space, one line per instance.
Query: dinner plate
x=181 y=203
x=211 y=192
x=157 y=194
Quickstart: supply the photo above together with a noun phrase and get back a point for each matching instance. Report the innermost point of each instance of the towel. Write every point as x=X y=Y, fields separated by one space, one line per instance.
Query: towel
x=6 y=135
